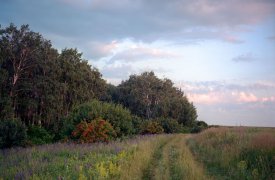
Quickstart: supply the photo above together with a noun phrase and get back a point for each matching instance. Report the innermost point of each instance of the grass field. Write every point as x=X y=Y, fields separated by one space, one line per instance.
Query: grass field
x=236 y=153
x=217 y=153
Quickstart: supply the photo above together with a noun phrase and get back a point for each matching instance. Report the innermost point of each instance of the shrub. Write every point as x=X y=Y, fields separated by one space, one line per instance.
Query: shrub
x=198 y=126
x=119 y=117
x=38 y=135
x=152 y=127
x=137 y=124
x=98 y=130
x=12 y=133
x=170 y=125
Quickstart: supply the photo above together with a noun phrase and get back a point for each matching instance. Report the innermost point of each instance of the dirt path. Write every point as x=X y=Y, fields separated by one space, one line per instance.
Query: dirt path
x=173 y=160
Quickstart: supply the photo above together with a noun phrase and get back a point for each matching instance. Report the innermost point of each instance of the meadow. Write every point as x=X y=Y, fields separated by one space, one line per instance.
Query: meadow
x=216 y=153
x=236 y=152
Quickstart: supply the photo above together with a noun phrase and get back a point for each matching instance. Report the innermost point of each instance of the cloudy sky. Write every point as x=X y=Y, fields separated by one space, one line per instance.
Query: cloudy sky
x=221 y=53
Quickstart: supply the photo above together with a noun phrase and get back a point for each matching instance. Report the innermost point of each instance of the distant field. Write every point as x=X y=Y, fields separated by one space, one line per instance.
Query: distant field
x=236 y=152
x=217 y=153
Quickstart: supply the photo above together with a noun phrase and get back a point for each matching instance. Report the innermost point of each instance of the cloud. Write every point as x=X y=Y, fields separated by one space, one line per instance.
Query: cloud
x=117 y=71
x=206 y=98
x=245 y=97
x=142 y=54
x=215 y=92
x=106 y=20
x=248 y=57
x=100 y=49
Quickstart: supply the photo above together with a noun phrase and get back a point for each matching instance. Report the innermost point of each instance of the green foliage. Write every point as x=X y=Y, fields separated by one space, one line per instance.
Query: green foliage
x=119 y=117
x=198 y=126
x=38 y=135
x=150 y=97
x=170 y=125
x=12 y=133
x=97 y=130
x=57 y=90
x=40 y=85
x=152 y=127
x=138 y=123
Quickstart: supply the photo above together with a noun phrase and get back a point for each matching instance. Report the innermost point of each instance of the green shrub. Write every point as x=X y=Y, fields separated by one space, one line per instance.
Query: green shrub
x=119 y=117
x=198 y=126
x=138 y=124
x=97 y=130
x=12 y=133
x=152 y=127
x=170 y=125
x=39 y=135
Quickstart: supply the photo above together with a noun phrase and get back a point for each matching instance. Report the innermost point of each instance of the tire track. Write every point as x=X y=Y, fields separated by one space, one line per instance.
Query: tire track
x=173 y=160
x=155 y=162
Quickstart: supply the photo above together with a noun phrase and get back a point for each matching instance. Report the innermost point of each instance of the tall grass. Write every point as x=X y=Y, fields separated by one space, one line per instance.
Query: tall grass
x=142 y=157
x=183 y=163
x=69 y=161
x=138 y=166
x=236 y=153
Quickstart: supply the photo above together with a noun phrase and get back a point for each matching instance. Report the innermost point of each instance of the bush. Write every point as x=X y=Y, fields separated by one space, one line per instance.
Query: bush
x=38 y=135
x=170 y=125
x=138 y=124
x=119 y=117
x=12 y=133
x=199 y=126
x=98 y=130
x=152 y=127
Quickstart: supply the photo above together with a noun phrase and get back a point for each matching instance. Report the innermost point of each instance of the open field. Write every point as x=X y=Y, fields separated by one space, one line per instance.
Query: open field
x=236 y=153
x=217 y=153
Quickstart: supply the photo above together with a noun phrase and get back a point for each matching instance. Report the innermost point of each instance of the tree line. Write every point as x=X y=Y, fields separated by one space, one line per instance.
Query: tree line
x=46 y=93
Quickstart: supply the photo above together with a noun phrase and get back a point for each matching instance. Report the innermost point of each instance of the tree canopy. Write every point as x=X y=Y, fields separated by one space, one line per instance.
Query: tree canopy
x=38 y=84
x=43 y=88
x=149 y=97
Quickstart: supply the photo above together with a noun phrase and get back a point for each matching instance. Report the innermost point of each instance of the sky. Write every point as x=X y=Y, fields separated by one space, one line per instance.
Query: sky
x=221 y=53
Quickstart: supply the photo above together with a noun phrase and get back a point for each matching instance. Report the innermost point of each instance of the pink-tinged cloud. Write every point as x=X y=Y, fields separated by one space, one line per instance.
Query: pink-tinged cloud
x=211 y=93
x=208 y=98
x=268 y=99
x=243 y=97
x=211 y=98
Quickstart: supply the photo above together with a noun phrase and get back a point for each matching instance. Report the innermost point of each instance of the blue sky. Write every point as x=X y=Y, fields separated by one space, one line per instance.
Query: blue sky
x=220 y=53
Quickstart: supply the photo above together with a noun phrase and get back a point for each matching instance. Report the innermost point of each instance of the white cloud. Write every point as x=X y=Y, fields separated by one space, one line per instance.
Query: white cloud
x=101 y=49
